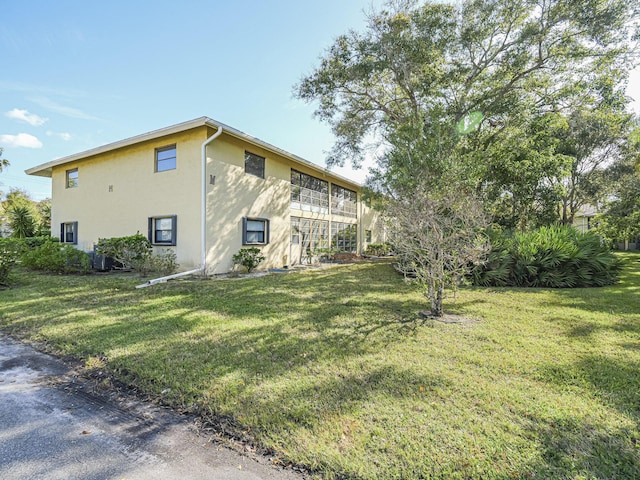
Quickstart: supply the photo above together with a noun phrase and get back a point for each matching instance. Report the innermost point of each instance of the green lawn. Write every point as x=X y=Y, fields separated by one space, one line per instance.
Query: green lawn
x=332 y=369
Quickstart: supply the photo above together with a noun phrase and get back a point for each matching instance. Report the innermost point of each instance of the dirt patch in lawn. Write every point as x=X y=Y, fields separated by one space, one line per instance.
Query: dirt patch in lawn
x=446 y=318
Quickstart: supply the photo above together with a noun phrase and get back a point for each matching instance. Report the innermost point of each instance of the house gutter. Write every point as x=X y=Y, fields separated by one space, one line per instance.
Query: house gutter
x=203 y=218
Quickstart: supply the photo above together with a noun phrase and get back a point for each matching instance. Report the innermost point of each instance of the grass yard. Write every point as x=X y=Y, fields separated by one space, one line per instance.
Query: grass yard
x=332 y=369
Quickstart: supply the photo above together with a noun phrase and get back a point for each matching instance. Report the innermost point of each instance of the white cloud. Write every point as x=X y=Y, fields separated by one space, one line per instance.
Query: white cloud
x=66 y=136
x=49 y=104
x=20 y=140
x=25 y=116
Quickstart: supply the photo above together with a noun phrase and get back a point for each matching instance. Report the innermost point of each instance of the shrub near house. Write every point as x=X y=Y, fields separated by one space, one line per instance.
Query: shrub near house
x=52 y=256
x=249 y=258
x=135 y=252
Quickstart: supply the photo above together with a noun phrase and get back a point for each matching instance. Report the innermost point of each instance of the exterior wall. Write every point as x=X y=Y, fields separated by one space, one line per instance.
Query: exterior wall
x=236 y=194
x=119 y=190
x=372 y=220
x=582 y=223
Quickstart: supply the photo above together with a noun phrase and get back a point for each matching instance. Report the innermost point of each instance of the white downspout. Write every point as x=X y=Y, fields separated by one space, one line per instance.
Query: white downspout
x=203 y=220
x=203 y=207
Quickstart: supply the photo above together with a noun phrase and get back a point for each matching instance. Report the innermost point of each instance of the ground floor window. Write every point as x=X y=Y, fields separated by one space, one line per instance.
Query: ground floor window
x=344 y=237
x=367 y=236
x=255 y=231
x=69 y=232
x=162 y=230
x=311 y=235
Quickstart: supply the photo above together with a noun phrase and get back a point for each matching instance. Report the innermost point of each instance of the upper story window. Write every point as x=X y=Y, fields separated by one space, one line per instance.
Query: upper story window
x=254 y=164
x=162 y=230
x=309 y=193
x=166 y=158
x=344 y=201
x=72 y=178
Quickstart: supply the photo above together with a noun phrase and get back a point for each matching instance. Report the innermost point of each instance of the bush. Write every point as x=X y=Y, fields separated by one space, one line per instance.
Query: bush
x=135 y=252
x=56 y=257
x=554 y=257
x=10 y=249
x=378 y=249
x=129 y=251
x=163 y=263
x=33 y=242
x=249 y=258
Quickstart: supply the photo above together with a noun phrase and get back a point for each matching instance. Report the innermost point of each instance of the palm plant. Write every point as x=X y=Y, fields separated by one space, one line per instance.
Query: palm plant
x=21 y=221
x=550 y=257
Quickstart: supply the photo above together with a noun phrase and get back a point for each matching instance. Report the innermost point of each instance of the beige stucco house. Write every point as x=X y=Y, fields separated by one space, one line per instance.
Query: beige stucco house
x=583 y=219
x=206 y=190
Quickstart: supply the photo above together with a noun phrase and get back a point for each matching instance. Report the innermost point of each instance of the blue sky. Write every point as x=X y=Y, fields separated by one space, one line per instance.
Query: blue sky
x=79 y=74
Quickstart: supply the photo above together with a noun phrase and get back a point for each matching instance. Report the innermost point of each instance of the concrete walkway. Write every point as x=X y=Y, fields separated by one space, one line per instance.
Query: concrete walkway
x=49 y=432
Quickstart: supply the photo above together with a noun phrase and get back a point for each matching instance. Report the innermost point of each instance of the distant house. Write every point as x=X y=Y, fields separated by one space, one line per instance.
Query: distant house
x=583 y=219
x=206 y=190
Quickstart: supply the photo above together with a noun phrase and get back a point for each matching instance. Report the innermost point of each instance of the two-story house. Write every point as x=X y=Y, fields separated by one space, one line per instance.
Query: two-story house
x=206 y=190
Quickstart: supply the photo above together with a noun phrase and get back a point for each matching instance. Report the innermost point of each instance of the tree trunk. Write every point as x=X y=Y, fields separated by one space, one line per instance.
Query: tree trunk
x=436 y=293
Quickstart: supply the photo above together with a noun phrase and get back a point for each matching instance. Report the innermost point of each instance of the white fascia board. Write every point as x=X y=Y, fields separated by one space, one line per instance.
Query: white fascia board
x=45 y=169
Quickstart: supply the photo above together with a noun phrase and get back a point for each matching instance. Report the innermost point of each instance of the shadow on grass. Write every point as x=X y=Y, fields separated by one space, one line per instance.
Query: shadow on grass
x=263 y=326
x=615 y=382
x=588 y=448
x=292 y=349
x=571 y=449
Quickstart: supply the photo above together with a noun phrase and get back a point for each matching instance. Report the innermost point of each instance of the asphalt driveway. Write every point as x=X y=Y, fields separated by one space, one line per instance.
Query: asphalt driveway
x=51 y=432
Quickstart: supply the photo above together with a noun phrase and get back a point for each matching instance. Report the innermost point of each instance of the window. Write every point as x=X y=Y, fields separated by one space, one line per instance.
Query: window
x=254 y=164
x=344 y=237
x=344 y=202
x=162 y=230
x=367 y=236
x=72 y=178
x=309 y=193
x=255 y=231
x=69 y=232
x=312 y=234
x=166 y=158
x=295 y=231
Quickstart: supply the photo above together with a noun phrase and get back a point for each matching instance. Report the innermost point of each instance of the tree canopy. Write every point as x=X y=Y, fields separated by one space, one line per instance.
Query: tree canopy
x=20 y=216
x=620 y=219
x=420 y=69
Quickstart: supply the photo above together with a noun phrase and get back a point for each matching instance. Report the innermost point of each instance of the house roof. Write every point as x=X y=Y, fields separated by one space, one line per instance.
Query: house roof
x=45 y=169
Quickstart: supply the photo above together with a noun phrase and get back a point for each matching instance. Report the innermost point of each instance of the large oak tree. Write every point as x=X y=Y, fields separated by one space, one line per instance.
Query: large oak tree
x=421 y=68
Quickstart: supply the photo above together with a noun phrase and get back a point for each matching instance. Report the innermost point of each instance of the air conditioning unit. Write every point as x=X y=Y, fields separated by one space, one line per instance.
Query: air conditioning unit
x=101 y=262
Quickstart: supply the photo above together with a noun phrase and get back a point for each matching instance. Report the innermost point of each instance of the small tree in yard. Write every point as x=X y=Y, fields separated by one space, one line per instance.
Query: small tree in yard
x=437 y=235
x=21 y=221
x=249 y=258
